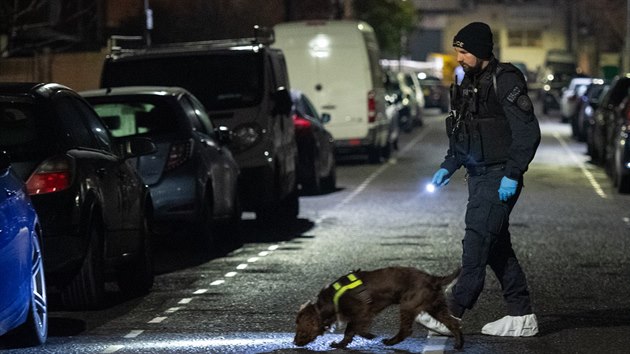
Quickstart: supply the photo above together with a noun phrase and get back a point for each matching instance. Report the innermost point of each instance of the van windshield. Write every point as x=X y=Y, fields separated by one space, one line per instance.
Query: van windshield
x=219 y=81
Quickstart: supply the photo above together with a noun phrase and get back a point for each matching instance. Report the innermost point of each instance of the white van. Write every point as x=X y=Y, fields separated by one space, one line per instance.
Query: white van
x=336 y=64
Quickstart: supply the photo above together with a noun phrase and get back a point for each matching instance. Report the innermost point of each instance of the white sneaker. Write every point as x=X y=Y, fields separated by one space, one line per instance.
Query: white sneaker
x=433 y=325
x=512 y=326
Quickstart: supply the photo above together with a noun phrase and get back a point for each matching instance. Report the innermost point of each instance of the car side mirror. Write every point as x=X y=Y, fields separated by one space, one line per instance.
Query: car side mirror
x=325 y=117
x=5 y=161
x=282 y=101
x=136 y=146
x=224 y=135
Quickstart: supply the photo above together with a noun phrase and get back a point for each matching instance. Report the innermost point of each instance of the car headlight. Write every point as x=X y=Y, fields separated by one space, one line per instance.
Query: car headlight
x=245 y=136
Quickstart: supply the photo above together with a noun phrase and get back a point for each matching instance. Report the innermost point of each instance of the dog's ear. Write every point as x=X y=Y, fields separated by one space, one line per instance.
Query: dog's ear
x=309 y=302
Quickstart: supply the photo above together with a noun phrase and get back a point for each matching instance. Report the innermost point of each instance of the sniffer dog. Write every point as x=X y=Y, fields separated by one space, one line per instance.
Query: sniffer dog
x=358 y=297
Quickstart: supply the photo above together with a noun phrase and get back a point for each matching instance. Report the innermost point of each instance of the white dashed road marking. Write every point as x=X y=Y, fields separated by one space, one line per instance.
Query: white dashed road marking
x=134 y=333
x=589 y=176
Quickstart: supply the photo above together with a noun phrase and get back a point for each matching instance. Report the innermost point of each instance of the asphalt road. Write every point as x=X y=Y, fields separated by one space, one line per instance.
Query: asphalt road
x=571 y=232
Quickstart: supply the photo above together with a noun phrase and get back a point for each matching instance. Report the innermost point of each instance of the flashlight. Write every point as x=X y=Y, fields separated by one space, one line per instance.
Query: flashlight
x=430 y=187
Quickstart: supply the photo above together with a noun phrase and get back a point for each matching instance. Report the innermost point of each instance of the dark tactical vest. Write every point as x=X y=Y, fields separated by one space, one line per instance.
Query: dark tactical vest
x=479 y=133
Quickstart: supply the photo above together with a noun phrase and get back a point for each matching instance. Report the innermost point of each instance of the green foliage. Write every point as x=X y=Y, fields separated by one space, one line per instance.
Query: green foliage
x=390 y=19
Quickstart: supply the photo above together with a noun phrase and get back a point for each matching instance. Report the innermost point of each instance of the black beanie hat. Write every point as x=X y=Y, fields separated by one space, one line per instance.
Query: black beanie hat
x=475 y=38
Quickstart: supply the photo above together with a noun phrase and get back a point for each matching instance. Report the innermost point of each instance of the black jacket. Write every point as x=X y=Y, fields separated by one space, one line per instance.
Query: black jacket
x=496 y=124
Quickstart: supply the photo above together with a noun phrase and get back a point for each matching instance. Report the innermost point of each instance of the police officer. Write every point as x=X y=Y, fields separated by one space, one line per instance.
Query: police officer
x=494 y=134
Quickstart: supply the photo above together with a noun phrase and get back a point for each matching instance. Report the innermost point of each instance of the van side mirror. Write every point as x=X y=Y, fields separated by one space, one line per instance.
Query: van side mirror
x=282 y=101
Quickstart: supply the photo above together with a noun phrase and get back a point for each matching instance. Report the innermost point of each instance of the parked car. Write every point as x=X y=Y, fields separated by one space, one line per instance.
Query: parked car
x=399 y=92
x=243 y=85
x=557 y=71
x=591 y=124
x=316 y=146
x=336 y=63
x=571 y=96
x=436 y=94
x=618 y=157
x=23 y=298
x=192 y=175
x=586 y=107
x=603 y=129
x=92 y=204
x=411 y=84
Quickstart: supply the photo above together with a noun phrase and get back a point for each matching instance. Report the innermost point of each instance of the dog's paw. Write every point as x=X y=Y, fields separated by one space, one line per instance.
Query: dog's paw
x=338 y=345
x=367 y=335
x=391 y=341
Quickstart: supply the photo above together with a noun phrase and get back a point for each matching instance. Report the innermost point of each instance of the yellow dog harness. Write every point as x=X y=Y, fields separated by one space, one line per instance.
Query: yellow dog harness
x=352 y=282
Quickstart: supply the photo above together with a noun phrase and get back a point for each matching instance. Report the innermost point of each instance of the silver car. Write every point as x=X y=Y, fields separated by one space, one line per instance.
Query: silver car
x=192 y=176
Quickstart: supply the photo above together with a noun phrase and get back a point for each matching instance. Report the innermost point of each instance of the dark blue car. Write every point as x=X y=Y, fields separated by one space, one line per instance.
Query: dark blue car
x=23 y=306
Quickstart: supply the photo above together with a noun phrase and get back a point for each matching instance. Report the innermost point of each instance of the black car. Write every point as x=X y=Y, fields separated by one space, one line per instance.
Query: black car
x=436 y=94
x=92 y=204
x=192 y=175
x=602 y=131
x=316 y=146
x=586 y=107
x=243 y=85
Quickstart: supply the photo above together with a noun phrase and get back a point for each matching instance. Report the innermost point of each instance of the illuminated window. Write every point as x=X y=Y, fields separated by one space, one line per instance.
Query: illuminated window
x=525 y=38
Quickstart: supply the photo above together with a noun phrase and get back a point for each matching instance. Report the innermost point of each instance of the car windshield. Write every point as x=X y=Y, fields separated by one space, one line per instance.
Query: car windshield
x=23 y=135
x=137 y=117
x=220 y=81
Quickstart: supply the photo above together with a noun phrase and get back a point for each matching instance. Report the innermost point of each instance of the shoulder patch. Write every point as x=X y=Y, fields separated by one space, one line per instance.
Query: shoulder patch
x=524 y=103
x=514 y=94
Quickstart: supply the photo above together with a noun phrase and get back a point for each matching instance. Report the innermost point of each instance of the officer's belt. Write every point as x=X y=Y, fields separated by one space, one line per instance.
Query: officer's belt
x=479 y=170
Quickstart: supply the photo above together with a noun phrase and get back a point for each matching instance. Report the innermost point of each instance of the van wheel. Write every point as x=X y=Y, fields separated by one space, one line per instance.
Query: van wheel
x=86 y=291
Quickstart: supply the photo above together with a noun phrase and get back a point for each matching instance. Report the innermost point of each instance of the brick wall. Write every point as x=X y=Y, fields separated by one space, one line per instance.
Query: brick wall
x=79 y=71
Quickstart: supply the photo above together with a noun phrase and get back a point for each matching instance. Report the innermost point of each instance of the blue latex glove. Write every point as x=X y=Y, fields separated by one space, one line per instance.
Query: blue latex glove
x=507 y=188
x=439 y=178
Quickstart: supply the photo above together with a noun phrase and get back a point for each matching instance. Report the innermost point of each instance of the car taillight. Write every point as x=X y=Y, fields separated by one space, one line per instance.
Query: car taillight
x=52 y=175
x=301 y=122
x=179 y=153
x=371 y=107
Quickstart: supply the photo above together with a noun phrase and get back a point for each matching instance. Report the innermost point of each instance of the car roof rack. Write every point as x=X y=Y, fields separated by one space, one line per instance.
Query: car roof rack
x=263 y=36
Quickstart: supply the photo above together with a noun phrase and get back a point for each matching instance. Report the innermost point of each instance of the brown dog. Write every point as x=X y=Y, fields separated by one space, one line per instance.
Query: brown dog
x=359 y=296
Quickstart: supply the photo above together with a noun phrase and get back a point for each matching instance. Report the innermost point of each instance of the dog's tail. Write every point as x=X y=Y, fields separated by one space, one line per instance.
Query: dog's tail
x=447 y=279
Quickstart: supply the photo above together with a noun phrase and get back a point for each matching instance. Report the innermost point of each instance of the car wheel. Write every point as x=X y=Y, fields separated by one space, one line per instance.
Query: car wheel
x=386 y=151
x=35 y=330
x=311 y=184
x=290 y=206
x=229 y=231
x=329 y=183
x=136 y=278
x=204 y=232
x=620 y=180
x=86 y=290
x=406 y=123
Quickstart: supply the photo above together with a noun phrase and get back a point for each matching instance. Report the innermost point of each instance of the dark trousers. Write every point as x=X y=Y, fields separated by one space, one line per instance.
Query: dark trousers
x=487 y=241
